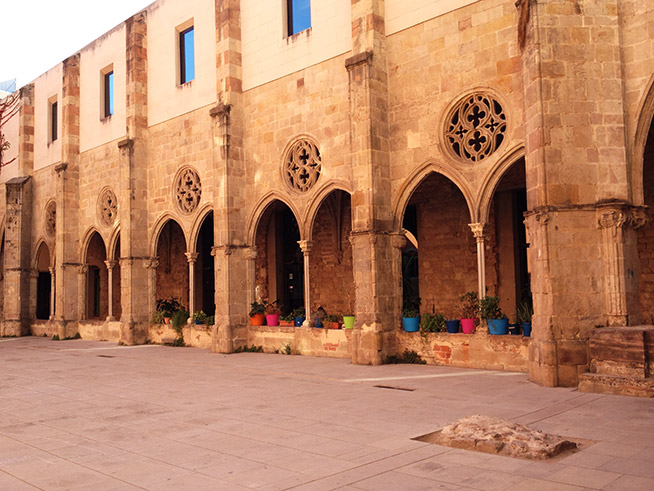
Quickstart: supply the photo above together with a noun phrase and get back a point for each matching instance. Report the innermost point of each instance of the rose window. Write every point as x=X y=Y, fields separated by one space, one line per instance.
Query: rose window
x=188 y=190
x=50 y=218
x=302 y=165
x=107 y=206
x=475 y=127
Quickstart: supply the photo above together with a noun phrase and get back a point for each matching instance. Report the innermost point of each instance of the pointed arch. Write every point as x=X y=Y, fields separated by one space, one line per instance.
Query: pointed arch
x=37 y=251
x=114 y=240
x=643 y=125
x=493 y=178
x=159 y=225
x=317 y=201
x=257 y=212
x=86 y=240
x=417 y=176
x=197 y=224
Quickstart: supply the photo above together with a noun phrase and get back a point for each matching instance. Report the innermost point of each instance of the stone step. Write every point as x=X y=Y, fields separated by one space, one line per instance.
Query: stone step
x=616 y=385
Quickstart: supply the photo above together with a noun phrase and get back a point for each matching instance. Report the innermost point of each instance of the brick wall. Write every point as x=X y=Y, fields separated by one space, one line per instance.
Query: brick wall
x=172 y=273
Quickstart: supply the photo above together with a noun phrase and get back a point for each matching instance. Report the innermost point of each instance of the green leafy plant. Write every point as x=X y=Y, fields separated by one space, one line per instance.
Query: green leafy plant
x=168 y=306
x=331 y=318
x=200 y=317
x=178 y=321
x=409 y=356
x=287 y=318
x=411 y=307
x=211 y=320
x=299 y=312
x=257 y=308
x=251 y=349
x=272 y=308
x=158 y=317
x=489 y=308
x=469 y=305
x=525 y=311
x=432 y=323
x=286 y=349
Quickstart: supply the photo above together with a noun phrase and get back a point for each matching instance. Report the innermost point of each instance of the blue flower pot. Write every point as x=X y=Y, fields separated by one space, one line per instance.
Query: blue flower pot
x=498 y=326
x=411 y=324
x=299 y=321
x=526 y=329
x=317 y=322
x=452 y=326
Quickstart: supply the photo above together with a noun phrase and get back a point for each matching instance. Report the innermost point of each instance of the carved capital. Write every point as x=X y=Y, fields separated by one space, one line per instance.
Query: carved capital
x=61 y=168
x=398 y=241
x=151 y=263
x=227 y=249
x=621 y=216
x=305 y=246
x=250 y=253
x=359 y=59
x=34 y=273
x=478 y=230
x=126 y=144
x=110 y=264
x=83 y=268
x=191 y=257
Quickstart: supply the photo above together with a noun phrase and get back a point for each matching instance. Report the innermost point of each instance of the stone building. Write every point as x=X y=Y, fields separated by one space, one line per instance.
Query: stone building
x=222 y=151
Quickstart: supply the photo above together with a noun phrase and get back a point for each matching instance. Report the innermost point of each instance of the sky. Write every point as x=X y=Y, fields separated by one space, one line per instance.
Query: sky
x=37 y=34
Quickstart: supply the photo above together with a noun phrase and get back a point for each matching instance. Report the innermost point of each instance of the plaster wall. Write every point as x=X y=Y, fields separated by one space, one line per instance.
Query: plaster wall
x=46 y=87
x=401 y=14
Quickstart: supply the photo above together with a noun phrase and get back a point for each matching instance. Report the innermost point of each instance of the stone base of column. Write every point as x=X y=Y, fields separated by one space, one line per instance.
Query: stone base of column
x=132 y=333
x=65 y=328
x=222 y=339
x=367 y=345
x=557 y=363
x=13 y=327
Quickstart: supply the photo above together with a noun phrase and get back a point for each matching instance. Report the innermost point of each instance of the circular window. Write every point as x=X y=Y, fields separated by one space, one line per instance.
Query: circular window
x=475 y=127
x=302 y=165
x=188 y=190
x=107 y=207
x=50 y=225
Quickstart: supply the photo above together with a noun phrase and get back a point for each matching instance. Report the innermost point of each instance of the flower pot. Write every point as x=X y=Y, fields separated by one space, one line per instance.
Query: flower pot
x=411 y=324
x=317 y=322
x=526 y=329
x=348 y=321
x=468 y=326
x=257 y=319
x=286 y=323
x=299 y=321
x=514 y=329
x=452 y=326
x=272 y=319
x=166 y=320
x=332 y=325
x=498 y=326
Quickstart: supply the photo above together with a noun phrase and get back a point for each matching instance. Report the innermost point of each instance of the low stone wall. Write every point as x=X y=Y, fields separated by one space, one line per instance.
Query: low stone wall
x=43 y=328
x=309 y=341
x=479 y=350
x=100 y=330
x=195 y=335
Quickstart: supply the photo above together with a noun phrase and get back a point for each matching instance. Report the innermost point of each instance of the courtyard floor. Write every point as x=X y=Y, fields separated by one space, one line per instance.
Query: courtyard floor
x=92 y=415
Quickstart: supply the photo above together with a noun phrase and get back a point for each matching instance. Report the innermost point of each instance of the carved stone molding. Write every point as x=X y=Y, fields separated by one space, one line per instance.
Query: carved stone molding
x=302 y=165
x=478 y=230
x=305 y=246
x=50 y=225
x=191 y=257
x=151 y=263
x=107 y=207
x=188 y=190
x=621 y=216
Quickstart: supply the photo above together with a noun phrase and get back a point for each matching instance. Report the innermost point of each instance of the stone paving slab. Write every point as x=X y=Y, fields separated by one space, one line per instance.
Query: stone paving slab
x=93 y=415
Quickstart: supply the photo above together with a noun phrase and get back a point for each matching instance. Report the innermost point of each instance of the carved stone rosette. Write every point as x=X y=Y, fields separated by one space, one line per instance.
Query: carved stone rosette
x=107 y=207
x=302 y=165
x=50 y=225
x=188 y=190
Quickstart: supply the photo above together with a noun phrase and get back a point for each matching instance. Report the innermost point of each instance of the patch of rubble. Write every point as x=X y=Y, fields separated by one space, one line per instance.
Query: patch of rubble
x=498 y=436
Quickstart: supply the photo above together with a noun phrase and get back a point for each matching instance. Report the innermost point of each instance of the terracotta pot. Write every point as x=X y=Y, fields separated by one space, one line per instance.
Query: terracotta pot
x=257 y=319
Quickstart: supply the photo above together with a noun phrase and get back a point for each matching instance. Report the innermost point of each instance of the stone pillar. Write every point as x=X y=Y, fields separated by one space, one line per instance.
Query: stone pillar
x=191 y=257
x=617 y=225
x=18 y=227
x=151 y=266
x=52 y=293
x=110 y=297
x=82 y=279
x=26 y=131
x=34 y=282
x=479 y=231
x=305 y=247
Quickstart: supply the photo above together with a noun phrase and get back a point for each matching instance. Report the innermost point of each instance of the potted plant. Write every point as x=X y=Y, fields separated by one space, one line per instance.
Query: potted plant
x=273 y=311
x=287 y=320
x=524 y=314
x=158 y=317
x=452 y=325
x=469 y=311
x=257 y=313
x=318 y=317
x=411 y=314
x=178 y=321
x=348 y=319
x=167 y=307
x=199 y=317
x=299 y=315
x=331 y=322
x=432 y=322
x=490 y=311
x=211 y=320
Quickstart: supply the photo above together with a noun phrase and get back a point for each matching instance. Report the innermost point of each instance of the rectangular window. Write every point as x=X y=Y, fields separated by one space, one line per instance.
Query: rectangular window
x=298 y=15
x=108 y=83
x=186 y=58
x=52 y=120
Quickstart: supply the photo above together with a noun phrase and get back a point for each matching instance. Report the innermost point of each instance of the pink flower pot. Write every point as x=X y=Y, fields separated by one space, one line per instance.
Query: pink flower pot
x=468 y=326
x=272 y=319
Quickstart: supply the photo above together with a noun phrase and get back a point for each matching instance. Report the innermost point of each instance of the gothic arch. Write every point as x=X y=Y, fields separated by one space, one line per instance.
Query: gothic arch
x=87 y=240
x=260 y=208
x=317 y=201
x=113 y=241
x=37 y=249
x=197 y=224
x=414 y=180
x=159 y=226
x=645 y=120
x=492 y=179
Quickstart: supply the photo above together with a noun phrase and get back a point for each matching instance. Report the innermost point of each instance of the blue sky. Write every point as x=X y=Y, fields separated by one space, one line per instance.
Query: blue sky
x=38 y=34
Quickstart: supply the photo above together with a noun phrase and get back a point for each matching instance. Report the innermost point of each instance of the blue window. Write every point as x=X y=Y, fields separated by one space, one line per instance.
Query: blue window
x=298 y=14
x=186 y=58
x=108 y=94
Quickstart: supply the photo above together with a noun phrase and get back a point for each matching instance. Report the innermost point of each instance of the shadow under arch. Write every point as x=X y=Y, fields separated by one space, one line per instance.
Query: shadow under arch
x=37 y=250
x=260 y=208
x=197 y=225
x=418 y=176
x=317 y=201
x=86 y=241
x=643 y=125
x=157 y=228
x=493 y=178
x=114 y=241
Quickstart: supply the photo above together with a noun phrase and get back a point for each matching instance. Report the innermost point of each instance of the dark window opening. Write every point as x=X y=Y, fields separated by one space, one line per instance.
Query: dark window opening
x=108 y=94
x=298 y=15
x=186 y=58
x=53 y=121
x=43 y=285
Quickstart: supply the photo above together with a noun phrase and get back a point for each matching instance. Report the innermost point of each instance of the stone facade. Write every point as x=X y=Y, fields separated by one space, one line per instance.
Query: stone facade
x=504 y=147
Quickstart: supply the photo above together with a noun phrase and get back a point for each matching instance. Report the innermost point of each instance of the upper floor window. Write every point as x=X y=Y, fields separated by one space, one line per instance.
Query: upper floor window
x=298 y=15
x=186 y=58
x=107 y=92
x=52 y=119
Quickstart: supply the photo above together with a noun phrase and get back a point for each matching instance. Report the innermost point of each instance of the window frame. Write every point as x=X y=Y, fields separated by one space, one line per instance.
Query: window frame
x=53 y=119
x=107 y=96
x=290 y=31
x=182 y=53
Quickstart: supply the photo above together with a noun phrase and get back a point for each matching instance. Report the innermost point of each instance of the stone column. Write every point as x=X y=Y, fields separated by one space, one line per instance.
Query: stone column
x=151 y=266
x=479 y=231
x=191 y=257
x=52 y=292
x=110 y=296
x=305 y=247
x=617 y=225
x=34 y=285
x=82 y=278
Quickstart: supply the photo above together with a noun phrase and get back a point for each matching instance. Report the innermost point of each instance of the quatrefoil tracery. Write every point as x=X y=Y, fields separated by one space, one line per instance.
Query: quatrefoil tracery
x=302 y=165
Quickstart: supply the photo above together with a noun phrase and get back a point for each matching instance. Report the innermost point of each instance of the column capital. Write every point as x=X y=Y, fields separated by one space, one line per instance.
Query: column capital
x=398 y=241
x=83 y=268
x=191 y=257
x=151 y=263
x=619 y=215
x=250 y=253
x=305 y=246
x=34 y=273
x=110 y=264
x=478 y=230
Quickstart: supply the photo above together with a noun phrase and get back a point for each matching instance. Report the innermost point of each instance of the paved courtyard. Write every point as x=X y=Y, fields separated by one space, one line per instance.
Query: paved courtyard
x=93 y=415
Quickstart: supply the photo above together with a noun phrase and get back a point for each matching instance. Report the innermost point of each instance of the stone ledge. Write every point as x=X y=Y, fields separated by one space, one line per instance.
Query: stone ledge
x=616 y=385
